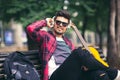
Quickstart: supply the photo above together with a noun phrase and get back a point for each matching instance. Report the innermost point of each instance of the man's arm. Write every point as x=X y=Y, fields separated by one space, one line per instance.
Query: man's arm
x=34 y=31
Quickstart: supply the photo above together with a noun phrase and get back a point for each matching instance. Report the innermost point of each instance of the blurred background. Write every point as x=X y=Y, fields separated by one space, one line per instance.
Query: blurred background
x=97 y=20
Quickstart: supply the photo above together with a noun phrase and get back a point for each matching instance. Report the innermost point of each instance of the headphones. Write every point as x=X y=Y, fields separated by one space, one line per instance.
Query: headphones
x=69 y=25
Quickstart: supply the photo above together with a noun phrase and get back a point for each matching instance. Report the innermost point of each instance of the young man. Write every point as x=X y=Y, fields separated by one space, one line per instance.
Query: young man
x=54 y=49
x=53 y=46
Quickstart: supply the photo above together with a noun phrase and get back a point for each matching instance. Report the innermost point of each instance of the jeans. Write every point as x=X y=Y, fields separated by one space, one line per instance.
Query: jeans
x=71 y=70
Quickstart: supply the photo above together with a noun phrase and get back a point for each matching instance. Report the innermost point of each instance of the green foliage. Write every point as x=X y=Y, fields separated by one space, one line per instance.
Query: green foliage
x=27 y=11
x=94 y=10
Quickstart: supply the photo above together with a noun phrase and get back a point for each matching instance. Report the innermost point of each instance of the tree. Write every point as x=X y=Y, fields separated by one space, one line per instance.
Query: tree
x=101 y=20
x=28 y=11
x=94 y=16
x=113 y=52
x=118 y=27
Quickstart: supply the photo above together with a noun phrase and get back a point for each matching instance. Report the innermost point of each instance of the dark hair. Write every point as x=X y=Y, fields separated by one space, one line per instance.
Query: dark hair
x=63 y=13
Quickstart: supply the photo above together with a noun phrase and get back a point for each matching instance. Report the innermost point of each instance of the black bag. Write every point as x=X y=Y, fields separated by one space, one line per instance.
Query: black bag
x=18 y=67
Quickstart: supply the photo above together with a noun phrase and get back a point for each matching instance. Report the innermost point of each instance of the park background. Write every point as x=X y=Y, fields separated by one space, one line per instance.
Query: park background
x=97 y=20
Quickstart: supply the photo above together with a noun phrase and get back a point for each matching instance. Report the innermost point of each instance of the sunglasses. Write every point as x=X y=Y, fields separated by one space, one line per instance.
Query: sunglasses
x=64 y=24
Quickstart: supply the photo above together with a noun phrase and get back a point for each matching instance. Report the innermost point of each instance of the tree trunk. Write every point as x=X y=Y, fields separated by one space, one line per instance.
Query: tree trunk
x=84 y=25
x=98 y=30
x=118 y=26
x=18 y=31
x=112 y=50
x=118 y=29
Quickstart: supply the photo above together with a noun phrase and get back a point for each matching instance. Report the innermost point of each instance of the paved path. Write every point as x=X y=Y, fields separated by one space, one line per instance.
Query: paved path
x=13 y=48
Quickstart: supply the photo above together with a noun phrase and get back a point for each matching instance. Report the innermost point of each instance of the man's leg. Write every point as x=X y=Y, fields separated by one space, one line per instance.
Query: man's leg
x=69 y=70
x=97 y=75
x=88 y=61
x=113 y=73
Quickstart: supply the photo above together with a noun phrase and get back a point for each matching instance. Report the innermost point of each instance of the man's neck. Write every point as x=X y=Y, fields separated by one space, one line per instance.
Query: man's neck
x=58 y=35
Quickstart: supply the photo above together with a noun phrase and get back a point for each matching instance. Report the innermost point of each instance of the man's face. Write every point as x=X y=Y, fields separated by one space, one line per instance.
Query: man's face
x=60 y=25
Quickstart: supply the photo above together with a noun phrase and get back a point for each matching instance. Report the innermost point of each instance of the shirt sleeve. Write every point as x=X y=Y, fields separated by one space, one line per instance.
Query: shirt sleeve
x=34 y=30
